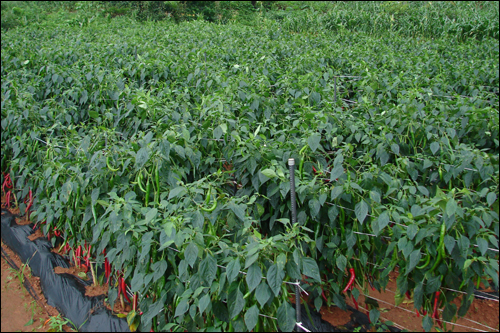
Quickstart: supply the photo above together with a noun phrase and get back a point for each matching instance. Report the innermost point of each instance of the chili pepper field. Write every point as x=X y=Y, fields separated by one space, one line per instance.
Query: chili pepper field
x=154 y=157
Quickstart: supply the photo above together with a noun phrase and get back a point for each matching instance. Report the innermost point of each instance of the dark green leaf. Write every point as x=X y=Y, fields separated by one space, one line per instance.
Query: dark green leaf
x=434 y=147
x=208 y=269
x=310 y=268
x=204 y=302
x=220 y=311
x=159 y=269
x=449 y=243
x=275 y=278
x=451 y=207
x=232 y=270
x=414 y=259
x=427 y=323
x=483 y=245
x=254 y=276
x=433 y=284
x=182 y=307
x=336 y=191
x=176 y=192
x=313 y=141
x=251 y=317
x=412 y=231
x=491 y=198
x=449 y=311
x=137 y=281
x=341 y=262
x=380 y=223
x=141 y=158
x=337 y=171
x=374 y=315
x=262 y=293
x=286 y=317
x=395 y=148
x=191 y=254
x=361 y=210
x=235 y=303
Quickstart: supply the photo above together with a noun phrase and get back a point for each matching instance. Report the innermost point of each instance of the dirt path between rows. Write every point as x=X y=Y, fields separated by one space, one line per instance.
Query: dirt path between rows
x=20 y=312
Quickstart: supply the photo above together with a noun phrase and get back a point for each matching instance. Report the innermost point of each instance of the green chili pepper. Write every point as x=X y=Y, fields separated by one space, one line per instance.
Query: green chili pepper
x=157 y=178
x=139 y=181
x=207 y=199
x=438 y=260
x=301 y=167
x=160 y=285
x=211 y=209
x=426 y=263
x=342 y=220
x=109 y=165
x=148 y=191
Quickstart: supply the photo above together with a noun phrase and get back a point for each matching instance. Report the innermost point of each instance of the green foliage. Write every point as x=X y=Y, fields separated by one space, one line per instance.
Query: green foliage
x=458 y=20
x=406 y=148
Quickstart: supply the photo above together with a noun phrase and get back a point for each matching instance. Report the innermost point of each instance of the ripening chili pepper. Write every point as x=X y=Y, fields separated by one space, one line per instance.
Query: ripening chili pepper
x=351 y=280
x=370 y=282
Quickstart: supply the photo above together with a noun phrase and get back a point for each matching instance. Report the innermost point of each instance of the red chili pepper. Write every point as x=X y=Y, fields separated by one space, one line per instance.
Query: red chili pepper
x=87 y=257
x=408 y=295
x=107 y=268
x=7 y=183
x=355 y=302
x=324 y=297
x=135 y=301
x=78 y=254
x=124 y=290
x=119 y=287
x=418 y=313
x=351 y=280
x=7 y=198
x=368 y=315
x=314 y=169
x=436 y=301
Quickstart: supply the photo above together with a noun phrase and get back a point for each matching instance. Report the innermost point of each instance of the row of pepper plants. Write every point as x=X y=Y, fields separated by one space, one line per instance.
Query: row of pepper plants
x=159 y=152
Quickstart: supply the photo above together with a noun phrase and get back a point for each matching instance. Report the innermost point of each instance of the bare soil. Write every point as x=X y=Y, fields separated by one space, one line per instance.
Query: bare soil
x=20 y=312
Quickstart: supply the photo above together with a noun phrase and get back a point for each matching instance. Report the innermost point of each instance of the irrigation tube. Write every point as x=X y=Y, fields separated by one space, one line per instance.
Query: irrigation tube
x=291 y=165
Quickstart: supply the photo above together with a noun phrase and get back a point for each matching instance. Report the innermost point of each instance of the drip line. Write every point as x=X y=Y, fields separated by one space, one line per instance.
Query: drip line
x=378 y=300
x=441 y=310
x=396 y=324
